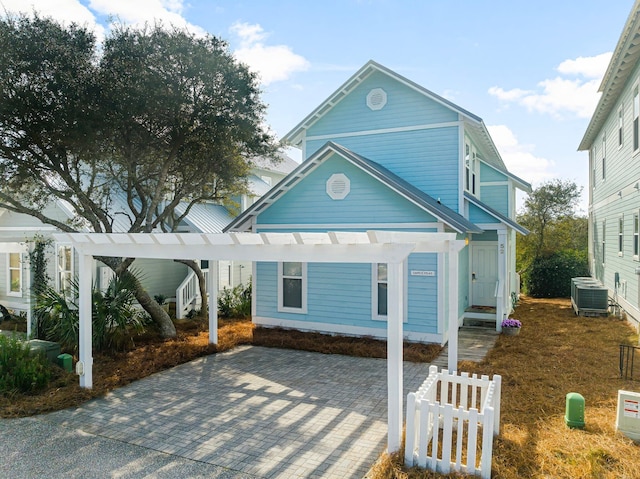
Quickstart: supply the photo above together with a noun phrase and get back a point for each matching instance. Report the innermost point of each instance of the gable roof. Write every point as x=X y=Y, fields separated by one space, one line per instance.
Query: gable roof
x=496 y=214
x=454 y=220
x=625 y=57
x=474 y=125
x=284 y=165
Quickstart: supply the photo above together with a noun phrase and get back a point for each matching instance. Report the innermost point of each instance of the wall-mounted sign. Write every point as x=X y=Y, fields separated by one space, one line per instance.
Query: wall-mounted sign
x=415 y=272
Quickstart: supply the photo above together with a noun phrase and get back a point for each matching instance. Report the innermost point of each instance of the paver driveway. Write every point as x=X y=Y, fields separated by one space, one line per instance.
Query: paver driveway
x=266 y=412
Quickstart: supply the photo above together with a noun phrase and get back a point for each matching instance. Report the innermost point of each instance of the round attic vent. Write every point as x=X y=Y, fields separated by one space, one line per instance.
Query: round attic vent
x=338 y=186
x=377 y=99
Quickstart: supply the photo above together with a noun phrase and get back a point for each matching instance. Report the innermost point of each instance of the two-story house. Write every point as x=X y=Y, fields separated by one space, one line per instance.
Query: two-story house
x=613 y=142
x=384 y=153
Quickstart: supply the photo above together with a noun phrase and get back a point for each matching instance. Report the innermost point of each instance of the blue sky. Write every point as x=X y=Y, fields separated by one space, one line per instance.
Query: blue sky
x=530 y=69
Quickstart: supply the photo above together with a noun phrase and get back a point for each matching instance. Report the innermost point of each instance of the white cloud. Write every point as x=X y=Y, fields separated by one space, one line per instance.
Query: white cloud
x=140 y=12
x=273 y=63
x=562 y=96
x=590 y=67
x=131 y=12
x=67 y=11
x=520 y=158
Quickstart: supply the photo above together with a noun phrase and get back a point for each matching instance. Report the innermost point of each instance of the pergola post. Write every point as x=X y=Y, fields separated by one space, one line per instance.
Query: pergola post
x=395 y=314
x=452 y=359
x=212 y=289
x=85 y=367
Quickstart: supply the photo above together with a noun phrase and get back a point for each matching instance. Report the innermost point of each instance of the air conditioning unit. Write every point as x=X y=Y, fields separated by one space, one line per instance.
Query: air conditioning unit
x=592 y=297
x=582 y=280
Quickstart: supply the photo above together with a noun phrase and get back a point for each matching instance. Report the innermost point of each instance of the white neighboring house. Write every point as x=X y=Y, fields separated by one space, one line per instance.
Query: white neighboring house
x=160 y=277
x=613 y=142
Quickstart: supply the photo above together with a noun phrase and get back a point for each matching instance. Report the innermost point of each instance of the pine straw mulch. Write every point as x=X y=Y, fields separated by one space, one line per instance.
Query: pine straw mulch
x=153 y=354
x=555 y=353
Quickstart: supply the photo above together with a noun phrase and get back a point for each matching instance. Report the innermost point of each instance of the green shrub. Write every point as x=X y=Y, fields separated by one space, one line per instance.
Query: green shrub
x=114 y=319
x=550 y=276
x=19 y=369
x=235 y=302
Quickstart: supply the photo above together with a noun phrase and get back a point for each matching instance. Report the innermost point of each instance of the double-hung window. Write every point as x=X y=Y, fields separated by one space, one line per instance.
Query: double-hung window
x=620 y=235
x=65 y=268
x=604 y=154
x=604 y=232
x=14 y=286
x=636 y=123
x=379 y=288
x=620 y=126
x=636 y=236
x=292 y=286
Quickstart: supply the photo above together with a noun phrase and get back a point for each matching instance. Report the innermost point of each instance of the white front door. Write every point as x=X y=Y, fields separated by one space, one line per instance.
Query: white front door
x=484 y=273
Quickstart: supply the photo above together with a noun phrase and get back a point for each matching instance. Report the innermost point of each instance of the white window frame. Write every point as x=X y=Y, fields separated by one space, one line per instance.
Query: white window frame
x=593 y=167
x=471 y=162
x=604 y=243
x=636 y=118
x=620 y=126
x=374 y=293
x=621 y=235
x=636 y=236
x=604 y=155
x=59 y=271
x=19 y=269
x=281 y=278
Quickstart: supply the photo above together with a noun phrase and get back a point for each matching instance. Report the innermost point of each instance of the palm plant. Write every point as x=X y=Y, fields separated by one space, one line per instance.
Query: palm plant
x=114 y=317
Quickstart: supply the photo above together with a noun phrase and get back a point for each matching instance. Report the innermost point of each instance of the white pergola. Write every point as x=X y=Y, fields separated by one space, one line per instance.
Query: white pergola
x=388 y=247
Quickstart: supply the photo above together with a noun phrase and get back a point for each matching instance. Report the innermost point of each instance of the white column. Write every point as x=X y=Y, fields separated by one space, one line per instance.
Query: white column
x=84 y=310
x=395 y=314
x=502 y=277
x=212 y=289
x=452 y=282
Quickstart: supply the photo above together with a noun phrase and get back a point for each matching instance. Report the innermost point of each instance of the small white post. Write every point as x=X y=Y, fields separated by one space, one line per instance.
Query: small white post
x=452 y=360
x=84 y=310
x=395 y=313
x=212 y=287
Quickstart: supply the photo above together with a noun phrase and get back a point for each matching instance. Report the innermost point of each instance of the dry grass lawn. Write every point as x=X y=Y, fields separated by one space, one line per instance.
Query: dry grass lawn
x=152 y=354
x=555 y=353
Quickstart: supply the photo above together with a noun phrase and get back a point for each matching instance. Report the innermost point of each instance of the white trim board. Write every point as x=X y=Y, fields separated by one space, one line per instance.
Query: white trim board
x=329 y=328
x=448 y=124
x=437 y=227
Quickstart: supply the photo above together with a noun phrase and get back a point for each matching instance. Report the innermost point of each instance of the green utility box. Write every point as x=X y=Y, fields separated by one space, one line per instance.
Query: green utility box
x=50 y=349
x=574 y=415
x=65 y=361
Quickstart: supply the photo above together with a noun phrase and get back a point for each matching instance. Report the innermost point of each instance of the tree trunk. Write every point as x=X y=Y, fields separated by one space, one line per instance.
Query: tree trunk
x=202 y=284
x=158 y=315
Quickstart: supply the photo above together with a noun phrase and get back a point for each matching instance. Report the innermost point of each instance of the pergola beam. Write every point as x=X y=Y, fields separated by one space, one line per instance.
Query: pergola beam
x=392 y=248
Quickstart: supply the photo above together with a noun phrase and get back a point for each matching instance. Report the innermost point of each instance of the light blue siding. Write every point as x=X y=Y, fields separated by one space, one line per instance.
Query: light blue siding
x=405 y=107
x=368 y=201
x=486 y=236
x=341 y=294
x=428 y=159
x=488 y=174
x=423 y=294
x=477 y=215
x=497 y=197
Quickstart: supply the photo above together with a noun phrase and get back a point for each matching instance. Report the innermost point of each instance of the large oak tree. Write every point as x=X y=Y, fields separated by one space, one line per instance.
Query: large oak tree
x=152 y=118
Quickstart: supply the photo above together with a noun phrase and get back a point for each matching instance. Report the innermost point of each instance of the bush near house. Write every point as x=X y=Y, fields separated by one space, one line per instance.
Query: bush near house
x=115 y=321
x=20 y=370
x=235 y=302
x=550 y=276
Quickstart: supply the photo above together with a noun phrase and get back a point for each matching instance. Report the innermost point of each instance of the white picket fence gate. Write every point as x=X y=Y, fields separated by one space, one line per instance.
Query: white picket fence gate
x=466 y=405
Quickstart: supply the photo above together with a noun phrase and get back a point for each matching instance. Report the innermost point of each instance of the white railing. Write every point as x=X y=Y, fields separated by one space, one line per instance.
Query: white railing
x=188 y=294
x=464 y=405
